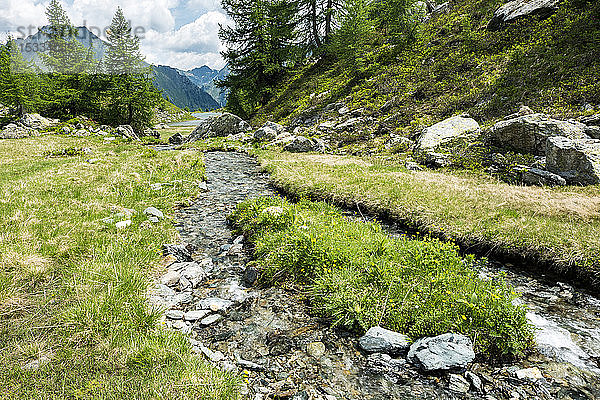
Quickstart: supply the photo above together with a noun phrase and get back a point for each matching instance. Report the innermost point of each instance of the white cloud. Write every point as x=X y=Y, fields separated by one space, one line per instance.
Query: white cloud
x=191 y=45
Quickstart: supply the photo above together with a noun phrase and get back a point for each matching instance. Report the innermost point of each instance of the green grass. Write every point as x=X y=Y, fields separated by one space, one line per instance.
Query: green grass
x=73 y=288
x=557 y=227
x=358 y=276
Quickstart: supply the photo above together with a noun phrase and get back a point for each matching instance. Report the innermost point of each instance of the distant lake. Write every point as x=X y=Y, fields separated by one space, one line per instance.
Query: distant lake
x=200 y=116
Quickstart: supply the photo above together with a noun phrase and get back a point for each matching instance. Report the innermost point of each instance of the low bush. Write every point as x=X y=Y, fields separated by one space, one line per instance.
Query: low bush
x=358 y=276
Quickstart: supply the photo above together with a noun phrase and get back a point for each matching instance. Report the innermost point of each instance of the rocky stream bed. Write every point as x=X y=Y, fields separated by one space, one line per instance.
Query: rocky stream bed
x=267 y=334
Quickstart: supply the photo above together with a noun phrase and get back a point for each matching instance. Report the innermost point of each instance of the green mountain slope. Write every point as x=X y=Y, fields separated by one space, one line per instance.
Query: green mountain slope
x=180 y=91
x=457 y=65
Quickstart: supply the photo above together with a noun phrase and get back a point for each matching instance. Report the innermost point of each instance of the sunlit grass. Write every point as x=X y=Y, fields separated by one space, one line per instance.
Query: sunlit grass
x=74 y=319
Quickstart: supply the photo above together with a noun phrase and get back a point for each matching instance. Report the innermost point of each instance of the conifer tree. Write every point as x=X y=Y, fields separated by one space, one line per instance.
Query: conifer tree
x=17 y=81
x=131 y=95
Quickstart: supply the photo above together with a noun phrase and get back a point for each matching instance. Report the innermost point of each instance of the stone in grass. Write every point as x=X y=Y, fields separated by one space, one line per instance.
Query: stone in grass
x=171 y=278
x=154 y=212
x=123 y=224
x=380 y=340
x=442 y=352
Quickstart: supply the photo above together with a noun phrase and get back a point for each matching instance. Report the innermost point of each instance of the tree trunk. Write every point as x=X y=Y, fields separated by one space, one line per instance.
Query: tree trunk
x=315 y=30
x=328 y=18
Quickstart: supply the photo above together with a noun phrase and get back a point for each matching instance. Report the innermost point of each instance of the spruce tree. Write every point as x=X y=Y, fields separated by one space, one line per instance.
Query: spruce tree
x=17 y=80
x=131 y=95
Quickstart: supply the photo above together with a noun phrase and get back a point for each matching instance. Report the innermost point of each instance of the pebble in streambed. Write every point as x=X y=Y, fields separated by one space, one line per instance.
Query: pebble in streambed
x=268 y=335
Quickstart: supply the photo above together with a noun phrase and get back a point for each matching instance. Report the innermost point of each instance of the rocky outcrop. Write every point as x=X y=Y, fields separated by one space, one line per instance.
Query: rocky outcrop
x=528 y=133
x=14 y=131
x=380 y=340
x=268 y=132
x=540 y=177
x=127 y=132
x=442 y=352
x=576 y=160
x=36 y=121
x=445 y=132
x=176 y=139
x=517 y=9
x=219 y=126
x=301 y=144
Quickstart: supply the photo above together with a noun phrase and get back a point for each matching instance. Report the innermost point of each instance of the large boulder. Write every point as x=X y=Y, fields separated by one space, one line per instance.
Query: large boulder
x=447 y=131
x=301 y=144
x=576 y=160
x=127 y=132
x=221 y=125
x=36 y=121
x=268 y=132
x=443 y=352
x=381 y=340
x=540 y=177
x=528 y=133
x=517 y=9
x=14 y=131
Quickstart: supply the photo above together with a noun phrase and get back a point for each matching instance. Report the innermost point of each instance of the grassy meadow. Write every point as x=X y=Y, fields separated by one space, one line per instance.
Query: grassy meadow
x=74 y=318
x=558 y=228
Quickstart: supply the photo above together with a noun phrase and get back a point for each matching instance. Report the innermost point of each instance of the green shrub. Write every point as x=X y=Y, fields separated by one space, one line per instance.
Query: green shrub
x=358 y=276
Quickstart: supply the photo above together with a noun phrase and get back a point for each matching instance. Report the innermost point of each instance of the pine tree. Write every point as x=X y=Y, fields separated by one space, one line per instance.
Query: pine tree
x=261 y=49
x=131 y=95
x=17 y=80
x=65 y=55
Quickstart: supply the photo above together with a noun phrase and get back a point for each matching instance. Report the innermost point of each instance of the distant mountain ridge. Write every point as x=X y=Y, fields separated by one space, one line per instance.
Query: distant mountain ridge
x=206 y=78
x=181 y=91
x=186 y=89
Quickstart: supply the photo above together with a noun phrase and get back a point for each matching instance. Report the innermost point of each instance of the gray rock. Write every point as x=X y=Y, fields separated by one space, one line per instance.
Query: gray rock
x=436 y=160
x=13 y=131
x=183 y=298
x=538 y=177
x=447 y=131
x=176 y=139
x=458 y=384
x=265 y=134
x=529 y=374
x=380 y=340
x=593 y=131
x=182 y=252
x=36 y=121
x=301 y=144
x=211 y=319
x=412 y=166
x=171 y=278
x=398 y=143
x=315 y=349
x=203 y=186
x=577 y=161
x=154 y=212
x=195 y=315
x=517 y=9
x=442 y=352
x=194 y=274
x=528 y=134
x=174 y=314
x=123 y=224
x=475 y=380
x=250 y=276
x=127 y=132
x=593 y=120
x=221 y=125
x=349 y=125
x=215 y=304
x=392 y=369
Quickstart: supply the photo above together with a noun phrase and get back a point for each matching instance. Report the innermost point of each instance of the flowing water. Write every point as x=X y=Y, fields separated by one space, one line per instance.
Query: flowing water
x=269 y=335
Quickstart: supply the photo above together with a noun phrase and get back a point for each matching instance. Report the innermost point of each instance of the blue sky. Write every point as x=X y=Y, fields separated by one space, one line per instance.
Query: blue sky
x=179 y=33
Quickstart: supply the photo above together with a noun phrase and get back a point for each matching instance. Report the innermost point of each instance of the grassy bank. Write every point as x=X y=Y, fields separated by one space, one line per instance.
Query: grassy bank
x=357 y=276
x=558 y=228
x=74 y=319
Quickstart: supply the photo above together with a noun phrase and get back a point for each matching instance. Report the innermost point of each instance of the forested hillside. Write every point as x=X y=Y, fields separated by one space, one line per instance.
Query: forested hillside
x=179 y=90
x=413 y=63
